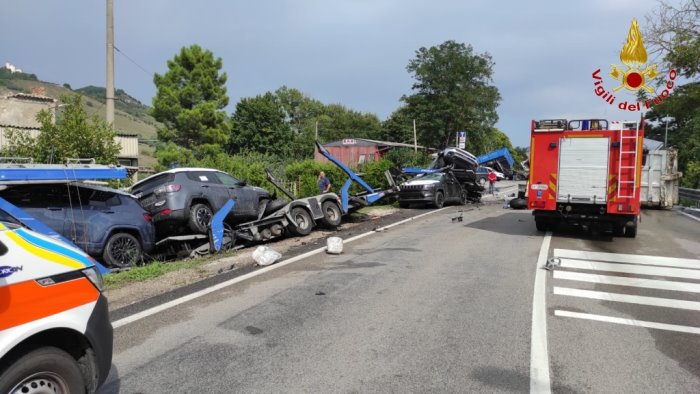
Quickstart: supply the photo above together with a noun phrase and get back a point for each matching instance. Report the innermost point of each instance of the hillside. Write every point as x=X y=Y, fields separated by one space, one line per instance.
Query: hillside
x=130 y=116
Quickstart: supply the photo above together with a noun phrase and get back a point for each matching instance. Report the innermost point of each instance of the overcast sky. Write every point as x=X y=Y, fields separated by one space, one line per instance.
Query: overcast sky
x=352 y=52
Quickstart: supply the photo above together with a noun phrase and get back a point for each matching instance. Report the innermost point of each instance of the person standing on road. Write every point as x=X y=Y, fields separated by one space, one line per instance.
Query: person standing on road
x=324 y=185
x=492 y=181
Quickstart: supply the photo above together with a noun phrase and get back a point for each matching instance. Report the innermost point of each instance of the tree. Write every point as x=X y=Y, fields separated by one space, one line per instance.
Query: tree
x=190 y=100
x=73 y=135
x=259 y=125
x=452 y=92
x=674 y=34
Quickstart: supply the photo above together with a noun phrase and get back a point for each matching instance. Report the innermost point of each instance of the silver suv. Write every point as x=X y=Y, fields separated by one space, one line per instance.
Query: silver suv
x=183 y=200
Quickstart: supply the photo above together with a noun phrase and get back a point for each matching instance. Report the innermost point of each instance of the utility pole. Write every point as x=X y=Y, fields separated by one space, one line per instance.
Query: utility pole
x=415 y=137
x=109 y=94
x=666 y=134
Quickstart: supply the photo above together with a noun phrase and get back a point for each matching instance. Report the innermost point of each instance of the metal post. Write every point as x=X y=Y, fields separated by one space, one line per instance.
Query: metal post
x=666 y=134
x=415 y=138
x=109 y=94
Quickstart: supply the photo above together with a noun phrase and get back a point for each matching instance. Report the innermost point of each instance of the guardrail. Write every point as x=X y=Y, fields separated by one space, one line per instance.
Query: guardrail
x=690 y=194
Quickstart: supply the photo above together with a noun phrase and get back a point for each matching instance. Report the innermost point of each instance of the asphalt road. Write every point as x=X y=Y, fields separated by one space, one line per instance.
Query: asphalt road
x=432 y=305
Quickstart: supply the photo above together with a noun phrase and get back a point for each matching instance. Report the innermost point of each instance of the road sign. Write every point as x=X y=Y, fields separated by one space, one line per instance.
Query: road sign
x=461 y=139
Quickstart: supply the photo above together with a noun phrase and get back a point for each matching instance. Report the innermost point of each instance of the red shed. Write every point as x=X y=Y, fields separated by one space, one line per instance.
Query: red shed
x=355 y=151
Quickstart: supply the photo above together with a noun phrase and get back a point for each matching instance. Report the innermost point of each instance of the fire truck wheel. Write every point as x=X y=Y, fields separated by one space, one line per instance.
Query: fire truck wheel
x=331 y=214
x=200 y=216
x=541 y=224
x=439 y=199
x=46 y=369
x=631 y=231
x=301 y=222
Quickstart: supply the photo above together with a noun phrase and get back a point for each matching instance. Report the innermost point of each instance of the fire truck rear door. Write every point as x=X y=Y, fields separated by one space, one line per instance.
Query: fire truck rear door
x=583 y=170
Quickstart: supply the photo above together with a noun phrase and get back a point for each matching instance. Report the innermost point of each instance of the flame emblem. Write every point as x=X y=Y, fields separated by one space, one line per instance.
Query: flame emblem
x=634 y=56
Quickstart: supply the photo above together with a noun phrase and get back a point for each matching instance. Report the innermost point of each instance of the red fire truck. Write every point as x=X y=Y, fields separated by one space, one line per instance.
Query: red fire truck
x=586 y=173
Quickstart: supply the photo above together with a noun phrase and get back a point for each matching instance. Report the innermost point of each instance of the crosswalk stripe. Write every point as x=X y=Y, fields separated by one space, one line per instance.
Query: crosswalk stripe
x=629 y=322
x=625 y=281
x=628 y=258
x=630 y=269
x=632 y=299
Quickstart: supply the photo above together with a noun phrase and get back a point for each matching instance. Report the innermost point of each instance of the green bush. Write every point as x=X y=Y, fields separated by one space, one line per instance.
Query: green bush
x=304 y=174
x=373 y=173
x=406 y=157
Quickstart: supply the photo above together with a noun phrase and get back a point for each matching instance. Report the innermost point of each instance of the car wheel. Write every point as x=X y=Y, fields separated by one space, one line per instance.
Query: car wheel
x=439 y=199
x=463 y=197
x=46 y=369
x=331 y=214
x=200 y=216
x=301 y=222
x=122 y=250
x=482 y=181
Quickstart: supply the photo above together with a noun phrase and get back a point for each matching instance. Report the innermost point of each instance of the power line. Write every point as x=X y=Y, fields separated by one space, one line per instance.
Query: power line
x=133 y=61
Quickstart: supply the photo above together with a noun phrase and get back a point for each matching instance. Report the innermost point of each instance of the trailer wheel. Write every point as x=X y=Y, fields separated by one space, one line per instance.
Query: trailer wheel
x=439 y=199
x=200 y=216
x=331 y=214
x=301 y=222
x=122 y=250
x=47 y=369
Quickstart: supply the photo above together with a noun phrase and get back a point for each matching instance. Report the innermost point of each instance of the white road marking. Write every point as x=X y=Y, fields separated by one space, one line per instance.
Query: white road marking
x=628 y=258
x=630 y=269
x=149 y=312
x=690 y=216
x=539 y=355
x=629 y=322
x=625 y=281
x=628 y=298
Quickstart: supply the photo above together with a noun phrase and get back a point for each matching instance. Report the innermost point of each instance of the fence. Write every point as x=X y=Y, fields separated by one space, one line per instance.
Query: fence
x=689 y=194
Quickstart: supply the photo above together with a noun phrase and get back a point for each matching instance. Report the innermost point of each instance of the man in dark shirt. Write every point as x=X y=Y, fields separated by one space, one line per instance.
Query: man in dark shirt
x=324 y=184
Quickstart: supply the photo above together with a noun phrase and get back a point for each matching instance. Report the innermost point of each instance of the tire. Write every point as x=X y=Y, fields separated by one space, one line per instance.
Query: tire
x=200 y=216
x=631 y=231
x=331 y=214
x=47 y=368
x=274 y=206
x=463 y=198
x=518 y=203
x=301 y=222
x=439 y=200
x=541 y=224
x=122 y=250
x=618 y=229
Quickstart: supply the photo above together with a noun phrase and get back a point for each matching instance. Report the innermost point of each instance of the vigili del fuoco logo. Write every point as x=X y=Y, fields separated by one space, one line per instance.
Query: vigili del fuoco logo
x=634 y=75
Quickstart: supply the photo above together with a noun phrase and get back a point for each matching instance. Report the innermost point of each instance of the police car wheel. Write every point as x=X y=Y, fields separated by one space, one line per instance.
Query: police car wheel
x=44 y=370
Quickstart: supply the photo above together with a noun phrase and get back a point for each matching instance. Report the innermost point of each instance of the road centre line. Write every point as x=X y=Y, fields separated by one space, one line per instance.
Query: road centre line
x=178 y=301
x=628 y=258
x=630 y=269
x=539 y=355
x=628 y=322
x=628 y=298
x=626 y=281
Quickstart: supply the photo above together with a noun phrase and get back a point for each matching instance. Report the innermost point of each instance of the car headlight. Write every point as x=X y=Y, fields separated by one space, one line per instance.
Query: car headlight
x=93 y=274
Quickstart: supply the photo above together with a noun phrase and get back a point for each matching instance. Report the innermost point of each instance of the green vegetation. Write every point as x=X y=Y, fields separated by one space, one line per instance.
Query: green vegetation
x=190 y=100
x=675 y=33
x=73 y=135
x=150 y=271
x=453 y=91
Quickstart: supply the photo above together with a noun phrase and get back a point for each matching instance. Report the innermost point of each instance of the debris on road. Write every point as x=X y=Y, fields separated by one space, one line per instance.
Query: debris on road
x=264 y=255
x=334 y=245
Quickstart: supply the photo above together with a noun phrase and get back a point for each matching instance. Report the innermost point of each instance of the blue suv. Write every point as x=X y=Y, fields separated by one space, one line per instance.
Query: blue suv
x=108 y=224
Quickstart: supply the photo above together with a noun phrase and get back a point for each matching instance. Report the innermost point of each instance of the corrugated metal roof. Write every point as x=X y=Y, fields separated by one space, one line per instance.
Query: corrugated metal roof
x=33 y=97
x=369 y=142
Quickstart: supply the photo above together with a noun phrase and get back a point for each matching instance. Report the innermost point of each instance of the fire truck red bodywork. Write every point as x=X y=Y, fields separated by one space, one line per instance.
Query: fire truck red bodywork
x=586 y=173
